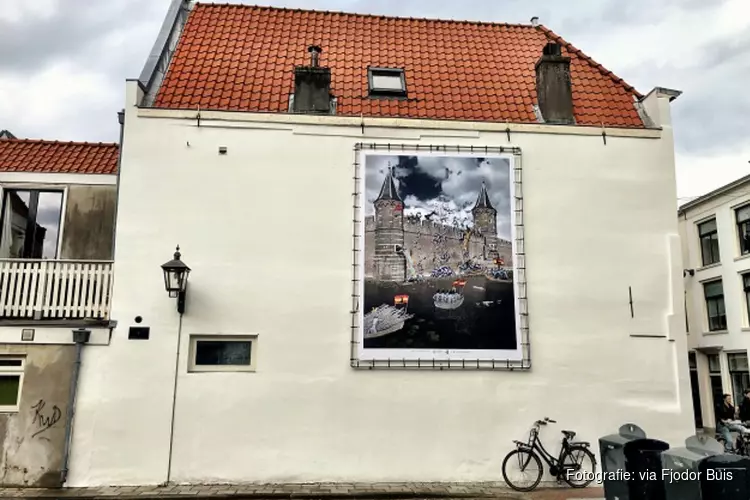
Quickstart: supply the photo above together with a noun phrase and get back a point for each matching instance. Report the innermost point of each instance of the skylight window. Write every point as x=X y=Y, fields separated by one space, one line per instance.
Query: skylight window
x=387 y=82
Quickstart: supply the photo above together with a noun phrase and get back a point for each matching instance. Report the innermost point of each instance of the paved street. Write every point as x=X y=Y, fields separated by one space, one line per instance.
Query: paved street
x=339 y=491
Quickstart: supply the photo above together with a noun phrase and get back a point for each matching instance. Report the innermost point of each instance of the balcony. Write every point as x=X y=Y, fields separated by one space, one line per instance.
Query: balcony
x=49 y=290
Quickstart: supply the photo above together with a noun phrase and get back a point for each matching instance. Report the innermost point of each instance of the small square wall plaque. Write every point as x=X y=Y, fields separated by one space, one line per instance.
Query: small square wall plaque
x=27 y=334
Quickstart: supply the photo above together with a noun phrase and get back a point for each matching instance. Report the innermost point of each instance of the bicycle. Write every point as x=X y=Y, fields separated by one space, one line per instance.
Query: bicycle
x=741 y=444
x=564 y=468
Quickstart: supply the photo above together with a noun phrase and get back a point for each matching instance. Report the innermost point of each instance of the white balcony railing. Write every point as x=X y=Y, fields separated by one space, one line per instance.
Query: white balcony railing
x=55 y=289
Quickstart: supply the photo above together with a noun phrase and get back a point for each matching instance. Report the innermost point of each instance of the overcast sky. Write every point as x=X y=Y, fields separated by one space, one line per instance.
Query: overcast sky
x=63 y=63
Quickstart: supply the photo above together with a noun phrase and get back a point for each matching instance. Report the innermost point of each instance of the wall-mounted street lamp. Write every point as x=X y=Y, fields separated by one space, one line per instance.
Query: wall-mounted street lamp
x=175 y=279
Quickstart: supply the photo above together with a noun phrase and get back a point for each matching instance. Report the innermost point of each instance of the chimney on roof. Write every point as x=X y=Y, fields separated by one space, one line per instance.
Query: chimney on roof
x=314 y=51
x=312 y=85
x=553 y=86
x=535 y=21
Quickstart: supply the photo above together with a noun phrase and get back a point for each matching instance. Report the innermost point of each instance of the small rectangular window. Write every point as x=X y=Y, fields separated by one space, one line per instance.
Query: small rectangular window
x=385 y=82
x=743 y=228
x=222 y=353
x=11 y=382
x=717 y=315
x=709 y=237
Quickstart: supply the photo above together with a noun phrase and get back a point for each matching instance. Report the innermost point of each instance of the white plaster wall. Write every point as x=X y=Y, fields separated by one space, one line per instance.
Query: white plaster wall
x=267 y=230
x=736 y=338
x=730 y=268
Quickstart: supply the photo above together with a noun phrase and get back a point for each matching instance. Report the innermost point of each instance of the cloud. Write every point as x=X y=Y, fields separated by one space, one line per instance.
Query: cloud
x=446 y=186
x=64 y=62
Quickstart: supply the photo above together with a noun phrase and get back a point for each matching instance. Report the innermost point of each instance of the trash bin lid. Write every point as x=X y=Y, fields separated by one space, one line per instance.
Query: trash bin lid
x=704 y=445
x=637 y=446
x=632 y=431
x=725 y=460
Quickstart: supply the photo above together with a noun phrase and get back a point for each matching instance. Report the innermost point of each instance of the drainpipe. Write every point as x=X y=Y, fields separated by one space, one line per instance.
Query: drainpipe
x=80 y=337
x=121 y=121
x=174 y=403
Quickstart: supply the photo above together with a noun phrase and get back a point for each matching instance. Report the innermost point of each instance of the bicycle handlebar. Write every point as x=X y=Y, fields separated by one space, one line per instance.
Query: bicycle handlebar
x=546 y=421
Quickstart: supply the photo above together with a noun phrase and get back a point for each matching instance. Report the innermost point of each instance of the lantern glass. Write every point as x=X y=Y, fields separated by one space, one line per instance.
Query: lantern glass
x=175 y=275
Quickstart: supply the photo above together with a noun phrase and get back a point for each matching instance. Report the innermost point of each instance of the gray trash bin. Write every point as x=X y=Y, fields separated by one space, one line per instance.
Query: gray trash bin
x=725 y=477
x=612 y=452
x=680 y=467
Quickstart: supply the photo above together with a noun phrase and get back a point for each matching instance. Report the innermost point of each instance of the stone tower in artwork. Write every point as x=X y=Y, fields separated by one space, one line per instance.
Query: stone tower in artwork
x=390 y=263
x=485 y=222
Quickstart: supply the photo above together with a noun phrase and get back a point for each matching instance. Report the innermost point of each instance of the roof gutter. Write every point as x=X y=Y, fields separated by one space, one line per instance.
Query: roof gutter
x=716 y=192
x=158 y=60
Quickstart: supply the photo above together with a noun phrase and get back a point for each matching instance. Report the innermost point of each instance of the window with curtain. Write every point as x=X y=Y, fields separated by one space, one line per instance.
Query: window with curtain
x=743 y=228
x=717 y=316
x=30 y=224
x=709 y=237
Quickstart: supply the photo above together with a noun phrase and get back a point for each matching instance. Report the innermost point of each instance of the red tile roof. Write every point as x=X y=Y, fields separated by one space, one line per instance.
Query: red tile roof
x=27 y=155
x=242 y=58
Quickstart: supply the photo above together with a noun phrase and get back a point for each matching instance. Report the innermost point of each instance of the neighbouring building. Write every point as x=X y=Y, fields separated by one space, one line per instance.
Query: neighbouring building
x=715 y=232
x=344 y=189
x=57 y=215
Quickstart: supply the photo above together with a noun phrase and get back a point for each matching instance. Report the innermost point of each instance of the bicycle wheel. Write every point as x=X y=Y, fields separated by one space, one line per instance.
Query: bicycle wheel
x=523 y=463
x=578 y=466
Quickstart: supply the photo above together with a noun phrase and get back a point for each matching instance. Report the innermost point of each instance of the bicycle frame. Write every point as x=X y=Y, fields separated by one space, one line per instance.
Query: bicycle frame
x=535 y=444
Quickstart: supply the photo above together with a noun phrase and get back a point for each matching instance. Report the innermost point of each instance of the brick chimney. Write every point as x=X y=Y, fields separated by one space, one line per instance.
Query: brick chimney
x=553 y=87
x=312 y=85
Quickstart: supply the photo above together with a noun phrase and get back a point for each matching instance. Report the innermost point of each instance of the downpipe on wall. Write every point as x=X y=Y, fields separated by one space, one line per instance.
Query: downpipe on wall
x=80 y=336
x=174 y=399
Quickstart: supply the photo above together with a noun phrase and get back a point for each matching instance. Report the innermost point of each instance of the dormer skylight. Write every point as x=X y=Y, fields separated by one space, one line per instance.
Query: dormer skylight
x=387 y=82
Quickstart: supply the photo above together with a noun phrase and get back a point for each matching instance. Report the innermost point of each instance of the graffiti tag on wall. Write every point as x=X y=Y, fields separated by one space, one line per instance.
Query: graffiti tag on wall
x=44 y=420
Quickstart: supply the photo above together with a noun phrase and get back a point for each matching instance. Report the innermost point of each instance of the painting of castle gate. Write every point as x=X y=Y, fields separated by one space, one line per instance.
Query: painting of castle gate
x=438 y=267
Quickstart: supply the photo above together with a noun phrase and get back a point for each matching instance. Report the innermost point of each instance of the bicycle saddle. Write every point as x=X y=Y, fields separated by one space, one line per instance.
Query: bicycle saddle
x=569 y=434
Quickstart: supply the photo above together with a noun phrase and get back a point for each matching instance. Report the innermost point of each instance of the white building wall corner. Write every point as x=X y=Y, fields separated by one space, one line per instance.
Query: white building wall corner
x=305 y=412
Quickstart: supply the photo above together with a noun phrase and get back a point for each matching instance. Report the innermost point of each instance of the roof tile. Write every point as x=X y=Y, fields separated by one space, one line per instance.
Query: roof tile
x=228 y=54
x=27 y=155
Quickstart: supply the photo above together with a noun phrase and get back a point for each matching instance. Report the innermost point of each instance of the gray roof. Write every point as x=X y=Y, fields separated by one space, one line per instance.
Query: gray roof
x=716 y=192
x=388 y=191
x=483 y=200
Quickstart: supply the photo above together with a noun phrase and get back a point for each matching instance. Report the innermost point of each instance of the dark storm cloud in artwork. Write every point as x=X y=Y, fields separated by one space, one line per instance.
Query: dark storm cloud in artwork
x=448 y=185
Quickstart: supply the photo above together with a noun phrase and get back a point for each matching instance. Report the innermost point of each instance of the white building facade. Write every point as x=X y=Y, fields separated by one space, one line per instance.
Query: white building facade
x=267 y=209
x=715 y=230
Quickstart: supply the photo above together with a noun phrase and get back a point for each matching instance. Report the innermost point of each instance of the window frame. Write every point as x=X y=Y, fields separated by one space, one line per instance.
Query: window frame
x=743 y=247
x=716 y=298
x=193 y=367
x=745 y=282
x=711 y=235
x=737 y=392
x=6 y=188
x=20 y=371
x=382 y=91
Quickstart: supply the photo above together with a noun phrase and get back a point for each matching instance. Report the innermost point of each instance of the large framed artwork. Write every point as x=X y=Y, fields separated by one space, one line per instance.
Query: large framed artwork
x=439 y=268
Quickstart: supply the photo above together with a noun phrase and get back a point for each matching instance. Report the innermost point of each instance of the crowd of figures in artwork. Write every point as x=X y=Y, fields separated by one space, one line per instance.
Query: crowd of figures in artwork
x=438 y=253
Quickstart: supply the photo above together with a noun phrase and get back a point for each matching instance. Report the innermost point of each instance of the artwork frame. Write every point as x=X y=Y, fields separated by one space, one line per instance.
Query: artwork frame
x=364 y=357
